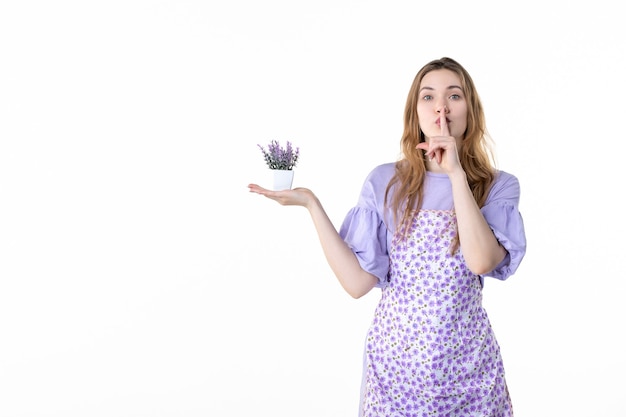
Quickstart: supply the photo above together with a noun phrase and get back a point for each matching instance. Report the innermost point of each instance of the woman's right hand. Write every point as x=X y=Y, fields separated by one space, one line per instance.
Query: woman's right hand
x=294 y=197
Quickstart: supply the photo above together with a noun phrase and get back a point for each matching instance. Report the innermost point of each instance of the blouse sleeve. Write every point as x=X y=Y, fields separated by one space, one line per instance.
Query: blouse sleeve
x=502 y=214
x=365 y=232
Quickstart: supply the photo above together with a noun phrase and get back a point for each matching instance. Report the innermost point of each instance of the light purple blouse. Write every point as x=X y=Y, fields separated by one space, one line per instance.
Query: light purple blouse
x=368 y=230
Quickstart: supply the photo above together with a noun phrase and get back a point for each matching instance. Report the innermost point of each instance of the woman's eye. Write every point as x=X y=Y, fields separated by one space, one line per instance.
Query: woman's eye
x=428 y=97
x=455 y=97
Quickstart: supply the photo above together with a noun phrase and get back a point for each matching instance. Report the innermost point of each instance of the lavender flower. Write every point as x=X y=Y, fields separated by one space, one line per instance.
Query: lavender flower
x=277 y=157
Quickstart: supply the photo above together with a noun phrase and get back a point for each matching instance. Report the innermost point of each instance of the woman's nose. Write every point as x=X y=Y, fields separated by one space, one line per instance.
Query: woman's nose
x=443 y=109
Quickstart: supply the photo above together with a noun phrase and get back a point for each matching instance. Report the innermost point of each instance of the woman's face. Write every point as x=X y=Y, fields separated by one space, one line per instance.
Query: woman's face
x=440 y=91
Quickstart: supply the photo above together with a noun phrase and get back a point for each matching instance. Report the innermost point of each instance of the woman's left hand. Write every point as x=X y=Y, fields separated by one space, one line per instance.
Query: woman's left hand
x=442 y=149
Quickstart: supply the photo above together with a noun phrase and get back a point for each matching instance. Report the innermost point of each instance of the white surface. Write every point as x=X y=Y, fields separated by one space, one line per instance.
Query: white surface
x=138 y=277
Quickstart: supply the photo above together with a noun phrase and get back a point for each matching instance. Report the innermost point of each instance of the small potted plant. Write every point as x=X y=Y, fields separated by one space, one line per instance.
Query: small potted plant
x=281 y=160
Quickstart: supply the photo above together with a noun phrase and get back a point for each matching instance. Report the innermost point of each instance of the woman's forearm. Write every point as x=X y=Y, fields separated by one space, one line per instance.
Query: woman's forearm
x=340 y=257
x=479 y=246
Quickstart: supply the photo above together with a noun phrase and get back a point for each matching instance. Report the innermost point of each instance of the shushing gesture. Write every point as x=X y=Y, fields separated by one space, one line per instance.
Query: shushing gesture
x=442 y=149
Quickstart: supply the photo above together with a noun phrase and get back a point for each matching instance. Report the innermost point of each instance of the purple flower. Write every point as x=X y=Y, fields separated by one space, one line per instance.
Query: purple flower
x=278 y=157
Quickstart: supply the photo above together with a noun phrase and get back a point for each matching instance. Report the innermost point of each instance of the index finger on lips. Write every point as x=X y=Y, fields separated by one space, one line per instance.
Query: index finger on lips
x=444 y=124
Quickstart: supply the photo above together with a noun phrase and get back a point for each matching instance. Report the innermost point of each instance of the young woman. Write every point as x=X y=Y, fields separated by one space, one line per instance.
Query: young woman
x=426 y=230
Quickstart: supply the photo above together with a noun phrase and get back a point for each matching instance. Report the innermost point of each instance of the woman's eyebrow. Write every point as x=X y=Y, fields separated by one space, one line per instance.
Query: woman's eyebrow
x=450 y=87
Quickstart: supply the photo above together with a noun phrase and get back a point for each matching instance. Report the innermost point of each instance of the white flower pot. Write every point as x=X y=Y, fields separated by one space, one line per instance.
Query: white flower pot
x=283 y=178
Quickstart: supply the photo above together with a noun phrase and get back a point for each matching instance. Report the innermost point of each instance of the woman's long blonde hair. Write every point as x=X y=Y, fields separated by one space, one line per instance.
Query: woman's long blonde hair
x=475 y=153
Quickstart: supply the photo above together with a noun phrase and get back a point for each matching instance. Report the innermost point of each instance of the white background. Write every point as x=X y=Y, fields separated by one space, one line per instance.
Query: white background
x=138 y=277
